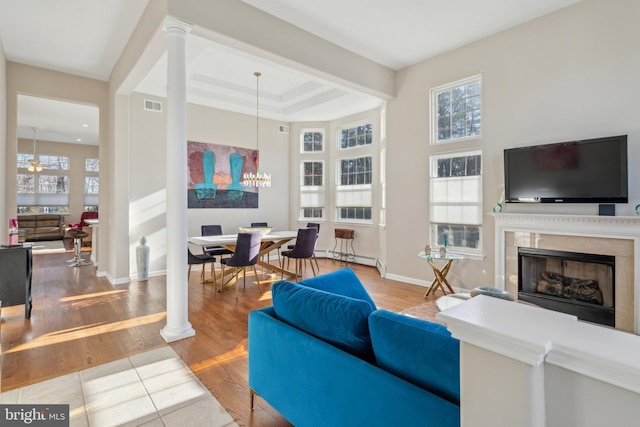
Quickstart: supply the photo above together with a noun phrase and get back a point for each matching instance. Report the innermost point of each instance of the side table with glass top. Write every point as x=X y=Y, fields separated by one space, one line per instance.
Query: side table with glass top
x=439 y=273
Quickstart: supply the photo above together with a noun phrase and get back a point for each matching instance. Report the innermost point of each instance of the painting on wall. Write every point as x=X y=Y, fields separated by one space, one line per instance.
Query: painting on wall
x=215 y=174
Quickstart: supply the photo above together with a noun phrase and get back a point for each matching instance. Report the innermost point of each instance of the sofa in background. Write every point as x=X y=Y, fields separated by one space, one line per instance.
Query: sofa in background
x=40 y=227
x=324 y=355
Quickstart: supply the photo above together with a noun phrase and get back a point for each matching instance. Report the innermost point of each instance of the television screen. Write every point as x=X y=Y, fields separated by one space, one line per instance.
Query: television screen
x=587 y=171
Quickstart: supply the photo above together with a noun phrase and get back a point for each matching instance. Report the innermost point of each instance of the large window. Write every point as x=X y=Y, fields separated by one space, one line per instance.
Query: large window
x=312 y=190
x=43 y=191
x=354 y=189
x=40 y=193
x=456 y=200
x=91 y=184
x=456 y=111
x=356 y=136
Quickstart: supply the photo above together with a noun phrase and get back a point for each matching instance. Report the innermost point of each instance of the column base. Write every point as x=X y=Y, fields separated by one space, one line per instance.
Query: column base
x=171 y=335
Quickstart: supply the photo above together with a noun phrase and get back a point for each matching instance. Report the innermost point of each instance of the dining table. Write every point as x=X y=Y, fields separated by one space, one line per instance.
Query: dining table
x=271 y=241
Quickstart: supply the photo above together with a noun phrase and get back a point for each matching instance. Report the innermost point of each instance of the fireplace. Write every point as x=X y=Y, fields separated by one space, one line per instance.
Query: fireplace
x=570 y=282
x=617 y=236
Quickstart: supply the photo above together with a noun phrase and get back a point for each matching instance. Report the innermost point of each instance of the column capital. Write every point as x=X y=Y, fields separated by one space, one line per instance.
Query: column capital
x=173 y=23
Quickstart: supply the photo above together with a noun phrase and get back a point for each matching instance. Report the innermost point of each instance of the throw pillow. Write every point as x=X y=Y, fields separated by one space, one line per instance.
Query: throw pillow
x=337 y=319
x=419 y=351
x=341 y=282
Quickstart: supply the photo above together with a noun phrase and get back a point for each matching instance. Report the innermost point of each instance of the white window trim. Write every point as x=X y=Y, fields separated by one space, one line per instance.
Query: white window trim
x=324 y=140
x=433 y=118
x=319 y=190
x=469 y=252
x=364 y=122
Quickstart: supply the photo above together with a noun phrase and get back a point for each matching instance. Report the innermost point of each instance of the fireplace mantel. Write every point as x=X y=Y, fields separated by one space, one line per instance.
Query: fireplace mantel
x=605 y=227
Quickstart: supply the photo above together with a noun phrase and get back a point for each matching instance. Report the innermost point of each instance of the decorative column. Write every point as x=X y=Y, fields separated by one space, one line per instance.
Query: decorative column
x=178 y=326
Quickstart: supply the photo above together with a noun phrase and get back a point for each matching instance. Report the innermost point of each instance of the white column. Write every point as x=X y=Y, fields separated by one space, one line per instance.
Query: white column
x=178 y=326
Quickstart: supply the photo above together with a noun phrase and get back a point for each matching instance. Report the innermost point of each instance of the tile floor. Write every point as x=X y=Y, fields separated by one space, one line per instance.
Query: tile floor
x=150 y=389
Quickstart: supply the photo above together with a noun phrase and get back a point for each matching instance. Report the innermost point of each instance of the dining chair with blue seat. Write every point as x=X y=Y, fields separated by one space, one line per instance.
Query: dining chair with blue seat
x=245 y=255
x=201 y=259
x=302 y=250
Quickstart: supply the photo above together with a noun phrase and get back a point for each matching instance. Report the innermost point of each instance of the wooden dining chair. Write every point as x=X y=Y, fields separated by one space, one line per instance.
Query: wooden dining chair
x=245 y=255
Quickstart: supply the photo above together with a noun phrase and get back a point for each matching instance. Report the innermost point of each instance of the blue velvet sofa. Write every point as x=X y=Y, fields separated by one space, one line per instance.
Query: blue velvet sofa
x=324 y=355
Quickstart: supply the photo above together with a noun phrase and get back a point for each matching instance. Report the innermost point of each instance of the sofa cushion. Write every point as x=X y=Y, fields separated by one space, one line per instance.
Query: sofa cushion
x=27 y=222
x=341 y=282
x=419 y=351
x=337 y=319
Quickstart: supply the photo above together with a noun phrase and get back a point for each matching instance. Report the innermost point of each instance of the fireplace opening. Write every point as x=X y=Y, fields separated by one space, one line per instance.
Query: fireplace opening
x=574 y=283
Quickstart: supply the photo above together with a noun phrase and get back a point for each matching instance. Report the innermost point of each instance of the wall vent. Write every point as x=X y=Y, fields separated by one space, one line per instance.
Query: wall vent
x=283 y=129
x=150 y=105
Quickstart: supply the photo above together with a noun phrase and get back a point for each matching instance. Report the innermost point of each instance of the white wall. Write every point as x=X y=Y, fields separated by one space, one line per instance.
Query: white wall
x=568 y=75
x=147 y=157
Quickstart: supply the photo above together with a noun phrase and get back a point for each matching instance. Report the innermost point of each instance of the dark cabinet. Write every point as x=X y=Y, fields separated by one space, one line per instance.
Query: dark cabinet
x=15 y=277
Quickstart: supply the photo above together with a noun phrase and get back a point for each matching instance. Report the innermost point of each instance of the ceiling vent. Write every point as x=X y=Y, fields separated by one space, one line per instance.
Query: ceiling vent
x=283 y=129
x=150 y=105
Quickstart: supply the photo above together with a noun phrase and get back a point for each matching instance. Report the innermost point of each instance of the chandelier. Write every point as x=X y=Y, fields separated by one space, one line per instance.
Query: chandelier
x=258 y=179
x=34 y=164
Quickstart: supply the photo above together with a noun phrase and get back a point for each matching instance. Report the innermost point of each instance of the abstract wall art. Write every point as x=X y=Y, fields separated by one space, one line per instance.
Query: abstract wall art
x=215 y=175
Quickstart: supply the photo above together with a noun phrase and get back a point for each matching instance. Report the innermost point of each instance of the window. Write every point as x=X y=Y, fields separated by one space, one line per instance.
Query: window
x=354 y=190
x=54 y=162
x=456 y=111
x=356 y=136
x=456 y=200
x=91 y=165
x=39 y=193
x=91 y=184
x=355 y=171
x=312 y=140
x=312 y=190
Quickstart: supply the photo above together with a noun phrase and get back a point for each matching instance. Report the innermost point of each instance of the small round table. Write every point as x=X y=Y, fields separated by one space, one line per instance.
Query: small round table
x=448 y=301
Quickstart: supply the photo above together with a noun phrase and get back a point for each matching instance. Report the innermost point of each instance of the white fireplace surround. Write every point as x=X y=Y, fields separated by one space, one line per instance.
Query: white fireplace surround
x=607 y=227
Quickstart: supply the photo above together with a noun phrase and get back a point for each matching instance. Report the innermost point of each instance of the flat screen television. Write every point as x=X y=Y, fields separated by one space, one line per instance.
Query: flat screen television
x=586 y=171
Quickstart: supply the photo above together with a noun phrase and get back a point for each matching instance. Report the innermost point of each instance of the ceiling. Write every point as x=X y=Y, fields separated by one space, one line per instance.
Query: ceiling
x=397 y=34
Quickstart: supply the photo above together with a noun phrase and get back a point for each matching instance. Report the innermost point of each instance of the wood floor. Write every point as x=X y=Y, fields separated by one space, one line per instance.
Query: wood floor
x=80 y=321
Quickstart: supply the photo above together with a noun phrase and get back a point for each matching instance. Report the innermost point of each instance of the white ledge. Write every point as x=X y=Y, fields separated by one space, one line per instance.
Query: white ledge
x=534 y=335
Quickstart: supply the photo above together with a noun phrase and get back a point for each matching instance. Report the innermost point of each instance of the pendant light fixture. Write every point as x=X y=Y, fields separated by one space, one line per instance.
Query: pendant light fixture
x=34 y=164
x=258 y=179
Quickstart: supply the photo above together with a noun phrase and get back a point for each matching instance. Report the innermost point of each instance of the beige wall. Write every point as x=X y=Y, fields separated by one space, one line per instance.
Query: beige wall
x=568 y=75
x=38 y=82
x=77 y=153
x=148 y=166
